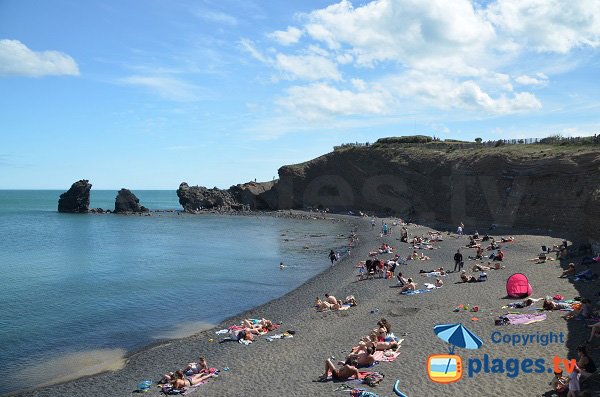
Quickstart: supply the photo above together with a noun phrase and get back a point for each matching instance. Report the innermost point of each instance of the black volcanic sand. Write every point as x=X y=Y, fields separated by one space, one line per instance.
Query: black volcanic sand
x=289 y=367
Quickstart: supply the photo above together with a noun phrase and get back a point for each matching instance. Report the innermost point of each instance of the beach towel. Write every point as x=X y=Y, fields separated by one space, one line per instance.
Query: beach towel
x=525 y=318
x=386 y=356
x=415 y=292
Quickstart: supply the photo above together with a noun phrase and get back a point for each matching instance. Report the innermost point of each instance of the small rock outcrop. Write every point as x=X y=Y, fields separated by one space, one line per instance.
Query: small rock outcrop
x=127 y=202
x=198 y=198
x=77 y=198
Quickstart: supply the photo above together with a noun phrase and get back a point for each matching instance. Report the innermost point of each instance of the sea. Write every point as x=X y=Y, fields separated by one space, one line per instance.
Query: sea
x=80 y=291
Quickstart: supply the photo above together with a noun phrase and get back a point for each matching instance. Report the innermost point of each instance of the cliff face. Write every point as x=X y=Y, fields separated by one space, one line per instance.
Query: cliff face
x=529 y=186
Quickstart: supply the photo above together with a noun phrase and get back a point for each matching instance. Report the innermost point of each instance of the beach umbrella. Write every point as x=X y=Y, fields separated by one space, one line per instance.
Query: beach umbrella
x=457 y=335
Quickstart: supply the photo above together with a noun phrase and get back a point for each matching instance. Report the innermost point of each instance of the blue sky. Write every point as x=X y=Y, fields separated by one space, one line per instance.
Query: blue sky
x=147 y=94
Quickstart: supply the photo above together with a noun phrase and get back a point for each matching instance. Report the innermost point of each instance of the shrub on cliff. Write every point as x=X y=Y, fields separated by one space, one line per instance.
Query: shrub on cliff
x=405 y=139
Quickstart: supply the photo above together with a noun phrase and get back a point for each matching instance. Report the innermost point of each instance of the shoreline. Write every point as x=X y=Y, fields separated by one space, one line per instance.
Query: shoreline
x=289 y=366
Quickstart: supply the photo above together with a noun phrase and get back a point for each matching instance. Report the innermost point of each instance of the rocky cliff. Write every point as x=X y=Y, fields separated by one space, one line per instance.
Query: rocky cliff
x=77 y=198
x=527 y=186
x=247 y=196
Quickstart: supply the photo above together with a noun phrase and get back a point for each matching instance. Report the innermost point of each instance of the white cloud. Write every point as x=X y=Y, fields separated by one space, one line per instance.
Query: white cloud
x=402 y=31
x=320 y=100
x=167 y=87
x=307 y=67
x=17 y=59
x=541 y=79
x=287 y=37
x=548 y=25
x=445 y=93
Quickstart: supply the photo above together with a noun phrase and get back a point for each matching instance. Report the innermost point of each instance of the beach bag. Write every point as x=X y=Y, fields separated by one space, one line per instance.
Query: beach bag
x=373 y=378
x=517 y=286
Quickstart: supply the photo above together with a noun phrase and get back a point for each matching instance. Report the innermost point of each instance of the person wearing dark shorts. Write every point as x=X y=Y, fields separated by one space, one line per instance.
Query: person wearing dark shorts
x=458 y=260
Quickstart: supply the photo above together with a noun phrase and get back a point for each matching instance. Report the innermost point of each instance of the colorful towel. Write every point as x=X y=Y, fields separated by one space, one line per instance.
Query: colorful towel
x=525 y=318
x=386 y=356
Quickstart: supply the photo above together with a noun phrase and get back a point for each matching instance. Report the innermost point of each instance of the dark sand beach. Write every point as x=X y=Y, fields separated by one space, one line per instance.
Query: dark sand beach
x=290 y=367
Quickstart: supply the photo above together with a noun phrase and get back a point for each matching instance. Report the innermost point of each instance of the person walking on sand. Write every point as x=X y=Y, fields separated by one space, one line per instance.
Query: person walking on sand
x=332 y=257
x=458 y=260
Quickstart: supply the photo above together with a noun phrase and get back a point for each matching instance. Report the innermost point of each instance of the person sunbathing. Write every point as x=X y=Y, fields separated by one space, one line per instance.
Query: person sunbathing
x=520 y=305
x=196 y=368
x=549 y=304
x=481 y=268
x=423 y=257
x=350 y=300
x=363 y=359
x=508 y=239
x=433 y=273
x=569 y=271
x=345 y=372
x=410 y=286
x=381 y=346
x=182 y=381
x=325 y=305
x=438 y=283
x=467 y=278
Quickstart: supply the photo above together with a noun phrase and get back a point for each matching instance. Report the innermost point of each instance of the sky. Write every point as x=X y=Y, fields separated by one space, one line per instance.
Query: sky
x=146 y=94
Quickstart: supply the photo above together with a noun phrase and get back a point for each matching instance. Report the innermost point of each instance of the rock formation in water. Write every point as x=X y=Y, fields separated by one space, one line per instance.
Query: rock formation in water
x=77 y=198
x=247 y=196
x=127 y=202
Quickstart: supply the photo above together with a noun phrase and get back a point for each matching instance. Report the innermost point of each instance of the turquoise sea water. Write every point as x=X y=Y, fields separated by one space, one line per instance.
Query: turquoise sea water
x=79 y=289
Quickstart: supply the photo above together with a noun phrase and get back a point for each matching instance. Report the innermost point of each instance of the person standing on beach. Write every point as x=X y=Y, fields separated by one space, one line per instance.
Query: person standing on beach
x=332 y=257
x=373 y=224
x=458 y=260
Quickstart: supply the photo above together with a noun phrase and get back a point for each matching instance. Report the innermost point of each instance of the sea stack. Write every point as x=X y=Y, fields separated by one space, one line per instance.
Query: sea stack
x=127 y=202
x=76 y=199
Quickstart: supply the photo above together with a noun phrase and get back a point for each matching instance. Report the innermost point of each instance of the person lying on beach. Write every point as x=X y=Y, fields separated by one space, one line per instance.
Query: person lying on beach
x=433 y=273
x=493 y=246
x=549 y=304
x=182 y=381
x=410 y=286
x=262 y=325
x=490 y=266
x=331 y=299
x=438 y=283
x=416 y=257
x=382 y=346
x=569 y=271
x=325 y=305
x=346 y=371
x=467 y=278
x=520 y=305
x=508 y=239
x=478 y=254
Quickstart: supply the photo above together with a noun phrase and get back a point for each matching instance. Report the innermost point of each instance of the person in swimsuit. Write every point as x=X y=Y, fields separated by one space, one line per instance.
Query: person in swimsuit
x=181 y=381
x=346 y=371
